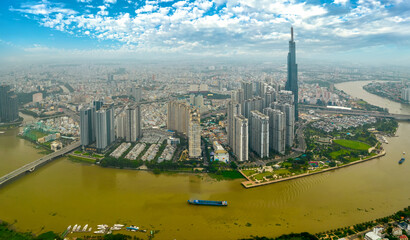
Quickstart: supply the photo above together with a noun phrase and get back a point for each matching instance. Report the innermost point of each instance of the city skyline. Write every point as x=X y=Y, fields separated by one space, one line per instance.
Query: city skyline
x=376 y=31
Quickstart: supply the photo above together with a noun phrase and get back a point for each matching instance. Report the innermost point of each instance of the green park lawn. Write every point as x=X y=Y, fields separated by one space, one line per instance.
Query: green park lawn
x=352 y=144
x=261 y=175
x=282 y=172
x=336 y=154
x=248 y=172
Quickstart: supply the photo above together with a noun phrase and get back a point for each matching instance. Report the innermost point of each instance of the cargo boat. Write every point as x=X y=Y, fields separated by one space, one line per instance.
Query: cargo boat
x=208 y=203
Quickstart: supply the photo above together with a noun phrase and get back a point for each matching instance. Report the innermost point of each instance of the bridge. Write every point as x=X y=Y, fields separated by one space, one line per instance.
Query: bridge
x=320 y=109
x=30 y=167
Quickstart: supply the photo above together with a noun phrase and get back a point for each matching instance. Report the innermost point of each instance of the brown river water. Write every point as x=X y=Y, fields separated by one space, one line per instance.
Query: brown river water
x=65 y=193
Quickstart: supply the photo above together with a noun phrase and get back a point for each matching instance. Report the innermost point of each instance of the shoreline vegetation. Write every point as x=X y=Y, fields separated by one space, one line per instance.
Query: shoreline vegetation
x=250 y=183
x=387 y=90
x=8 y=231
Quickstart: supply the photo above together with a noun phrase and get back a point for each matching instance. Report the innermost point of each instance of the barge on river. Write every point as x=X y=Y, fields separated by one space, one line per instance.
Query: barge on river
x=208 y=203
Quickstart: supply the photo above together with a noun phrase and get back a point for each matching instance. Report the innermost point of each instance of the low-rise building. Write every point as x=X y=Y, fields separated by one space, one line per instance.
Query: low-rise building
x=220 y=154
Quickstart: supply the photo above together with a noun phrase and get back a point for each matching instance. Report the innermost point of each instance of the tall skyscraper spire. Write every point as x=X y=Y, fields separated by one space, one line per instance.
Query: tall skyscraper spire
x=291 y=34
x=292 y=83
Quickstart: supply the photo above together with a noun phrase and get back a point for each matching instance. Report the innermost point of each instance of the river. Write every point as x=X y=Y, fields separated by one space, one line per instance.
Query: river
x=65 y=193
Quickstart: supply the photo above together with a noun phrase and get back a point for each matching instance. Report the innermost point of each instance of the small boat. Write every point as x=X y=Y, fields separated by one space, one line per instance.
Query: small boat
x=102 y=226
x=74 y=228
x=1 y=132
x=115 y=228
x=89 y=230
x=85 y=228
x=78 y=228
x=69 y=227
x=208 y=203
x=99 y=232
x=132 y=228
x=119 y=225
x=402 y=159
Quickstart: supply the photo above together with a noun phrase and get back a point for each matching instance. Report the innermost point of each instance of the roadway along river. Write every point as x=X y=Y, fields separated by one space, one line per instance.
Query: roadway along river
x=66 y=193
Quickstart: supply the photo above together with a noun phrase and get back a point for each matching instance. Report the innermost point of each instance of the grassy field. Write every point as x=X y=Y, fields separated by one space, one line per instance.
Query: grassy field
x=226 y=175
x=248 y=172
x=282 y=171
x=83 y=159
x=336 y=154
x=352 y=144
x=261 y=175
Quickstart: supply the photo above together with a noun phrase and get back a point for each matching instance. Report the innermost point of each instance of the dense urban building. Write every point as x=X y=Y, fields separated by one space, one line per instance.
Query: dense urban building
x=120 y=123
x=87 y=126
x=247 y=90
x=289 y=112
x=277 y=127
x=259 y=134
x=178 y=116
x=194 y=136
x=238 y=96
x=405 y=94
x=250 y=105
x=241 y=146
x=104 y=127
x=133 y=123
x=292 y=81
x=8 y=105
x=136 y=93
x=234 y=109
x=37 y=97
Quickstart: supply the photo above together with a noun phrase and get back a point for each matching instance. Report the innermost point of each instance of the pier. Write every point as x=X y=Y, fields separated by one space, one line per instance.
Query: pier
x=31 y=167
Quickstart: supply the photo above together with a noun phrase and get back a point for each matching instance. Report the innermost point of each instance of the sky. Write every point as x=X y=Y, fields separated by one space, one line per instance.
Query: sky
x=357 y=30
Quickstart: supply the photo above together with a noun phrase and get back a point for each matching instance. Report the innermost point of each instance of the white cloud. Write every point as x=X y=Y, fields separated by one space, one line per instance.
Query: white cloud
x=341 y=2
x=110 y=1
x=240 y=26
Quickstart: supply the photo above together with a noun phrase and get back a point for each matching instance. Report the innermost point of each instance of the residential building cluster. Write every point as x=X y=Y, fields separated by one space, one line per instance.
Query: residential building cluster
x=136 y=151
x=120 y=150
x=331 y=123
x=66 y=126
x=185 y=119
x=151 y=152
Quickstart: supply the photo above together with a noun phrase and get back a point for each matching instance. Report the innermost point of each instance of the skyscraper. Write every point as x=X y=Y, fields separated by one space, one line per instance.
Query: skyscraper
x=238 y=96
x=104 y=127
x=259 y=134
x=87 y=126
x=132 y=123
x=136 y=92
x=247 y=90
x=8 y=104
x=255 y=103
x=289 y=112
x=178 y=116
x=120 y=123
x=234 y=109
x=194 y=135
x=241 y=147
x=292 y=82
x=277 y=127
x=97 y=105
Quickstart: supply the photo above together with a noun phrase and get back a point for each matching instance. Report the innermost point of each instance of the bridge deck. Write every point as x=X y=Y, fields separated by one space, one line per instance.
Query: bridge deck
x=33 y=165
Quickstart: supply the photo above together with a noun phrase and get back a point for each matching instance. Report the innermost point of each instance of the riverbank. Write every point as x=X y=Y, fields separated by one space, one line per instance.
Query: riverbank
x=387 y=90
x=251 y=184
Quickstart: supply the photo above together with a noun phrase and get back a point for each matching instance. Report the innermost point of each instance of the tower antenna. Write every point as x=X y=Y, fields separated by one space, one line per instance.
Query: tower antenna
x=291 y=33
